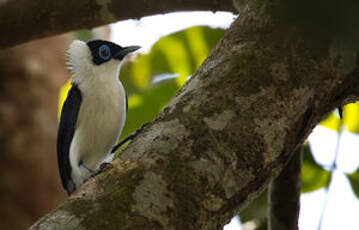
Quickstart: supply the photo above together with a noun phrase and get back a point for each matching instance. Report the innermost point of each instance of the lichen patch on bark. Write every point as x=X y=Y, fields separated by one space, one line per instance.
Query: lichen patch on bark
x=72 y=223
x=152 y=199
x=213 y=203
x=274 y=127
x=273 y=135
x=245 y=102
x=188 y=89
x=233 y=182
x=162 y=137
x=219 y=121
x=212 y=170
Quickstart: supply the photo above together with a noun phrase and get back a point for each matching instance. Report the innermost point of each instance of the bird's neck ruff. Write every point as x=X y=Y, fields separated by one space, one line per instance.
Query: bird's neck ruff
x=79 y=63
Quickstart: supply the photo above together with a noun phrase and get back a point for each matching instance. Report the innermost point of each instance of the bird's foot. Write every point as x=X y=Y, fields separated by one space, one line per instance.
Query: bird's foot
x=104 y=166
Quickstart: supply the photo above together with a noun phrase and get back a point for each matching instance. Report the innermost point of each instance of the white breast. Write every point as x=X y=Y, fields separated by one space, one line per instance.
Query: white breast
x=101 y=119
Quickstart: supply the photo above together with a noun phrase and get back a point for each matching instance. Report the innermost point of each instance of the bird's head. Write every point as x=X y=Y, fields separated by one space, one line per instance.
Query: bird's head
x=96 y=58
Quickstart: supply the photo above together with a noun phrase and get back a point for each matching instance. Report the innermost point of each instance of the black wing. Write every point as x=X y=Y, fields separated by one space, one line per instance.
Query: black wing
x=69 y=113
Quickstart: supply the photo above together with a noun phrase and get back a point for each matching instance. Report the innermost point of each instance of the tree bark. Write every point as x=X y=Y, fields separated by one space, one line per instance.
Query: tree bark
x=284 y=196
x=229 y=131
x=24 y=20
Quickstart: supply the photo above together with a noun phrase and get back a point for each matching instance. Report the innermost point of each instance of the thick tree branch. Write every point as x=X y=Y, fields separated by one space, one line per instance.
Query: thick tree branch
x=225 y=135
x=22 y=20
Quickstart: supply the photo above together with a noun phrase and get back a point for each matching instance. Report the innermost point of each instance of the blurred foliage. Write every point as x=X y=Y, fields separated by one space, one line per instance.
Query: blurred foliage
x=354 y=182
x=179 y=53
x=313 y=175
x=256 y=211
x=153 y=79
x=350 y=119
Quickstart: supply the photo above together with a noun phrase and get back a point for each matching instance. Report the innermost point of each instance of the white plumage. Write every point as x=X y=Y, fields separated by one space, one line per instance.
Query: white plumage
x=101 y=115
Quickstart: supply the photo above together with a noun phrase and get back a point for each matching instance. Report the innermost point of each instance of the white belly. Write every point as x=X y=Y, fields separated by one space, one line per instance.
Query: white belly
x=101 y=118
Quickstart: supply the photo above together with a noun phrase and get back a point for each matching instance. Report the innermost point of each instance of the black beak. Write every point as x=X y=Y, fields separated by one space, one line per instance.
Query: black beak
x=124 y=51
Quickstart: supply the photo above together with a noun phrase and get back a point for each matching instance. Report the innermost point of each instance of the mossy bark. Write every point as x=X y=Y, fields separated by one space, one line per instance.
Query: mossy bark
x=225 y=135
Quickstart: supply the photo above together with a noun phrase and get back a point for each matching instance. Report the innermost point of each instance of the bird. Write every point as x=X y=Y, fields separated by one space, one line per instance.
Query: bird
x=94 y=112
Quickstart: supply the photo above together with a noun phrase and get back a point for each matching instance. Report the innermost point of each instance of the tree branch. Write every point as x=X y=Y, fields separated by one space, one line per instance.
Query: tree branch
x=224 y=136
x=284 y=196
x=22 y=20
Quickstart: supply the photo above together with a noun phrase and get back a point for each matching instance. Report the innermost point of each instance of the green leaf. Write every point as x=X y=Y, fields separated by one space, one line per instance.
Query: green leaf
x=313 y=175
x=354 y=182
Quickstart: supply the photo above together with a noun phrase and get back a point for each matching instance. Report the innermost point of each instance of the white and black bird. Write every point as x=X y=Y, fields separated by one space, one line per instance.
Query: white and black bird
x=94 y=112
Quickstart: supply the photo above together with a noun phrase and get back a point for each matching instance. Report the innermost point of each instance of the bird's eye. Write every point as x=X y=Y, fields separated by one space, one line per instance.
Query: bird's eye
x=104 y=52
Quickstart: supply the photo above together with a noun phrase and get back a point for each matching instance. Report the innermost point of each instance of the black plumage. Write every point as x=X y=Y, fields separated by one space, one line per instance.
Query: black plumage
x=69 y=114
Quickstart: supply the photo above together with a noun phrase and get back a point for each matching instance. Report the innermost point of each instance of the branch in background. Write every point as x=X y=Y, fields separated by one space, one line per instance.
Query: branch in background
x=284 y=196
x=22 y=21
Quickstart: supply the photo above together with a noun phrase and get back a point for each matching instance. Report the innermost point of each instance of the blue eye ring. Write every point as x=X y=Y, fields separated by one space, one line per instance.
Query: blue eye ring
x=104 y=52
